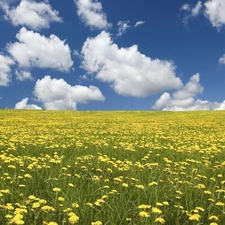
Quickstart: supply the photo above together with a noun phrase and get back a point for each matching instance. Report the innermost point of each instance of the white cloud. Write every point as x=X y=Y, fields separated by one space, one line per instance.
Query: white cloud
x=91 y=13
x=184 y=99
x=222 y=59
x=5 y=70
x=191 y=11
x=35 y=50
x=56 y=94
x=127 y=70
x=139 y=23
x=215 y=12
x=122 y=27
x=35 y=15
x=23 y=75
x=23 y=105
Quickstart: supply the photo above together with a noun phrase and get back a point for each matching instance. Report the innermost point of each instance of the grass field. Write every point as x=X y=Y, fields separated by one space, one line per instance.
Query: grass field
x=115 y=168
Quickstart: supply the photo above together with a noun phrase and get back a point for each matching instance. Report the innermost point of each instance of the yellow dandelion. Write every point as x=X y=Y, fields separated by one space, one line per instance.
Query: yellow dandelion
x=160 y=220
x=73 y=218
x=143 y=214
x=125 y=185
x=156 y=210
x=220 y=204
x=143 y=206
x=56 y=189
x=61 y=199
x=36 y=205
x=96 y=223
x=195 y=217
x=214 y=218
x=200 y=209
x=139 y=186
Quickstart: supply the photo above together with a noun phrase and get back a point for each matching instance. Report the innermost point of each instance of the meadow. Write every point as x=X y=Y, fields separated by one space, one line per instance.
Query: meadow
x=112 y=168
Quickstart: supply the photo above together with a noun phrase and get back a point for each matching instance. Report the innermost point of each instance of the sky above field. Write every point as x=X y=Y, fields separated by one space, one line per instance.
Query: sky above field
x=112 y=54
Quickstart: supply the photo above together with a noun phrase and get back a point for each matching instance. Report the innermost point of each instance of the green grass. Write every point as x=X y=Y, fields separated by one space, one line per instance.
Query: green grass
x=108 y=164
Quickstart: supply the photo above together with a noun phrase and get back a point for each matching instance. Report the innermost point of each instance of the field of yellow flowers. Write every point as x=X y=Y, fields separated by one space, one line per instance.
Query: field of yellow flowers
x=112 y=168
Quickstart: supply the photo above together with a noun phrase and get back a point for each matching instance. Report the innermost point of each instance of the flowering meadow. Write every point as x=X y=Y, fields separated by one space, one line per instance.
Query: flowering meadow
x=112 y=168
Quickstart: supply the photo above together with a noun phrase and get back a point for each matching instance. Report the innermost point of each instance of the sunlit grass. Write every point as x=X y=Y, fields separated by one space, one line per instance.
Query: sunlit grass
x=64 y=167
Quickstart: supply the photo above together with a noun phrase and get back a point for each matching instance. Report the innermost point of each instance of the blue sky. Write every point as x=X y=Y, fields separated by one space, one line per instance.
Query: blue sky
x=112 y=55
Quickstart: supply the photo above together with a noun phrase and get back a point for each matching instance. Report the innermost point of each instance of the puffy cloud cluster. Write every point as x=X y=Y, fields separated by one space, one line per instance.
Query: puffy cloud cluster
x=35 y=15
x=23 y=75
x=213 y=10
x=35 y=50
x=184 y=98
x=91 y=13
x=127 y=70
x=23 y=105
x=56 y=94
x=5 y=70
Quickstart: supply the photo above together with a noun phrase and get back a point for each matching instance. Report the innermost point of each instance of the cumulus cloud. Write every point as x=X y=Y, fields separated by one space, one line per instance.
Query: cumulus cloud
x=5 y=70
x=56 y=94
x=23 y=75
x=91 y=13
x=35 y=50
x=23 y=105
x=215 y=12
x=191 y=11
x=128 y=71
x=184 y=98
x=139 y=23
x=35 y=15
x=222 y=59
x=122 y=27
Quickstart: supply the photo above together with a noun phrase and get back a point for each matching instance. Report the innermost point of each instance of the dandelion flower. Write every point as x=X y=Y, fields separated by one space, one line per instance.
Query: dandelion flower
x=214 y=218
x=143 y=214
x=96 y=223
x=195 y=217
x=156 y=210
x=159 y=220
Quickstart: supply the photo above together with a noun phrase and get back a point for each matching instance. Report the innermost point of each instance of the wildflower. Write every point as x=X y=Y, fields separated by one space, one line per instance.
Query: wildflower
x=159 y=220
x=96 y=223
x=139 y=186
x=61 y=199
x=36 y=205
x=47 y=208
x=220 y=204
x=52 y=223
x=71 y=185
x=165 y=203
x=214 y=218
x=207 y=192
x=200 y=186
x=143 y=206
x=75 y=205
x=159 y=204
x=124 y=185
x=143 y=214
x=56 y=189
x=128 y=220
x=32 y=197
x=195 y=217
x=9 y=206
x=73 y=218
x=200 y=209
x=89 y=204
x=156 y=210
